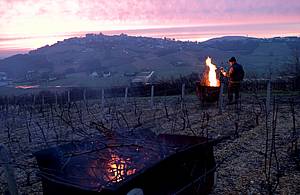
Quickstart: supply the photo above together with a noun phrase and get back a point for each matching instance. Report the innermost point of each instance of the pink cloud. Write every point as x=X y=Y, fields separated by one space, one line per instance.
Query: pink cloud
x=49 y=18
x=154 y=12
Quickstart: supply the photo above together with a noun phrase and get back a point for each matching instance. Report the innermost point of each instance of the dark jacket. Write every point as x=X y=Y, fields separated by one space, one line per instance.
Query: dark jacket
x=236 y=73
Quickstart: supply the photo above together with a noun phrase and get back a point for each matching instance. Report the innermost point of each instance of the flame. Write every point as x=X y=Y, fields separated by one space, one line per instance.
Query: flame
x=212 y=76
x=118 y=168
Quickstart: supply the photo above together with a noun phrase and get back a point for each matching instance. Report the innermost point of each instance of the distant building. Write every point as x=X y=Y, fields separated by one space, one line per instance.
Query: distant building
x=31 y=75
x=292 y=37
x=94 y=75
x=3 y=76
x=4 y=81
x=143 y=78
x=106 y=74
x=123 y=35
x=130 y=74
x=277 y=38
x=52 y=78
x=90 y=35
x=94 y=37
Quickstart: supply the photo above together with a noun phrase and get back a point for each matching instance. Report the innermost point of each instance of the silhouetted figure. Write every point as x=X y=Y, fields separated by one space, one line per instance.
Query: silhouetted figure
x=235 y=76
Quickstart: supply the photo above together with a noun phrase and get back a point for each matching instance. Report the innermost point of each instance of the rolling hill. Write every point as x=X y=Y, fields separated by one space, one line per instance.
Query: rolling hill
x=121 y=53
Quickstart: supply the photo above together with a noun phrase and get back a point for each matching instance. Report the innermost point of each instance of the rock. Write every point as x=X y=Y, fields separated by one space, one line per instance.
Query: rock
x=136 y=191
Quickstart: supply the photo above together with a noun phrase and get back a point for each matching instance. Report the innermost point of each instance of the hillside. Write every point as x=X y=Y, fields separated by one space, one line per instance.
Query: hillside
x=122 y=53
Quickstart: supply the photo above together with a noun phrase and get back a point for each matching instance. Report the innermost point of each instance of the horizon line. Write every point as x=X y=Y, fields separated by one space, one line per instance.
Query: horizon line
x=81 y=34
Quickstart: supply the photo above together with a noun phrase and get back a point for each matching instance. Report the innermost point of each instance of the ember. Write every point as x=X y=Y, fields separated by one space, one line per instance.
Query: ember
x=118 y=168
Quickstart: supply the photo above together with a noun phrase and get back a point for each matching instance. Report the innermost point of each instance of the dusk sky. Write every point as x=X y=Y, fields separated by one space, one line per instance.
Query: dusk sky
x=29 y=24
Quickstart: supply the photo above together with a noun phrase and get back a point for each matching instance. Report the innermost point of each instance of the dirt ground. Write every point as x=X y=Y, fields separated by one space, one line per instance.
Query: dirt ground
x=239 y=133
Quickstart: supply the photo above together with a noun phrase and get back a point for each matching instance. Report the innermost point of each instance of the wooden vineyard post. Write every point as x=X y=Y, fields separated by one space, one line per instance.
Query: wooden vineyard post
x=268 y=101
x=69 y=96
x=56 y=101
x=182 y=91
x=221 y=98
x=8 y=170
x=126 y=95
x=102 y=98
x=182 y=94
x=152 y=96
x=43 y=100
x=84 y=95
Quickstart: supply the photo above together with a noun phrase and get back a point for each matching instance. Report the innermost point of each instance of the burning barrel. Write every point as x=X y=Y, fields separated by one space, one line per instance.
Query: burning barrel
x=207 y=93
x=164 y=164
x=208 y=89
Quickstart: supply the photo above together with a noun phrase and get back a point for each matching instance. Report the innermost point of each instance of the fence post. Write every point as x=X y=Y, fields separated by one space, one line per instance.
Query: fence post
x=43 y=100
x=215 y=178
x=268 y=101
x=56 y=98
x=34 y=99
x=84 y=95
x=126 y=95
x=15 y=100
x=8 y=170
x=221 y=99
x=182 y=95
x=69 y=96
x=102 y=97
x=152 y=95
x=182 y=91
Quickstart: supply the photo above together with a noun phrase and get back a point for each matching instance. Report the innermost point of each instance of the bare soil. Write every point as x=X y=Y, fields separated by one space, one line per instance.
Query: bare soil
x=239 y=133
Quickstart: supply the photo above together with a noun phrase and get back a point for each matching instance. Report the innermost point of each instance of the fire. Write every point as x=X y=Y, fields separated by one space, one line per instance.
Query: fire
x=118 y=168
x=212 y=76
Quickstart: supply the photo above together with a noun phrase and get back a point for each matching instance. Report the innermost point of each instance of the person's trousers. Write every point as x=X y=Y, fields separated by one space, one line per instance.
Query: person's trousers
x=234 y=89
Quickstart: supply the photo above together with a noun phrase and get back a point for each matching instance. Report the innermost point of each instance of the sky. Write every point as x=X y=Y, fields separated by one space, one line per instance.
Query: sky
x=30 y=24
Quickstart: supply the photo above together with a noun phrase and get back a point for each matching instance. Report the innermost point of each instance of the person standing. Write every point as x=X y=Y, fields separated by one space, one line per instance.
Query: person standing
x=235 y=76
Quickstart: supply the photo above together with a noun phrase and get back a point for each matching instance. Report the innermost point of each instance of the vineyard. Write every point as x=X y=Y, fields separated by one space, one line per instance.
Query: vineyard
x=256 y=141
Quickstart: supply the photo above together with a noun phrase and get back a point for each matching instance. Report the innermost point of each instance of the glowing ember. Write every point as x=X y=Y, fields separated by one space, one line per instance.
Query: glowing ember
x=118 y=168
x=212 y=76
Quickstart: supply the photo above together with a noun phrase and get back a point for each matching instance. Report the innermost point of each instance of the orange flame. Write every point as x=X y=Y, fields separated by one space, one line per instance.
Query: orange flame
x=118 y=169
x=212 y=76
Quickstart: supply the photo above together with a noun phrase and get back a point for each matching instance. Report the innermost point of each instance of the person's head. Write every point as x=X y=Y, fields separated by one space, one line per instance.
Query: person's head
x=232 y=60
